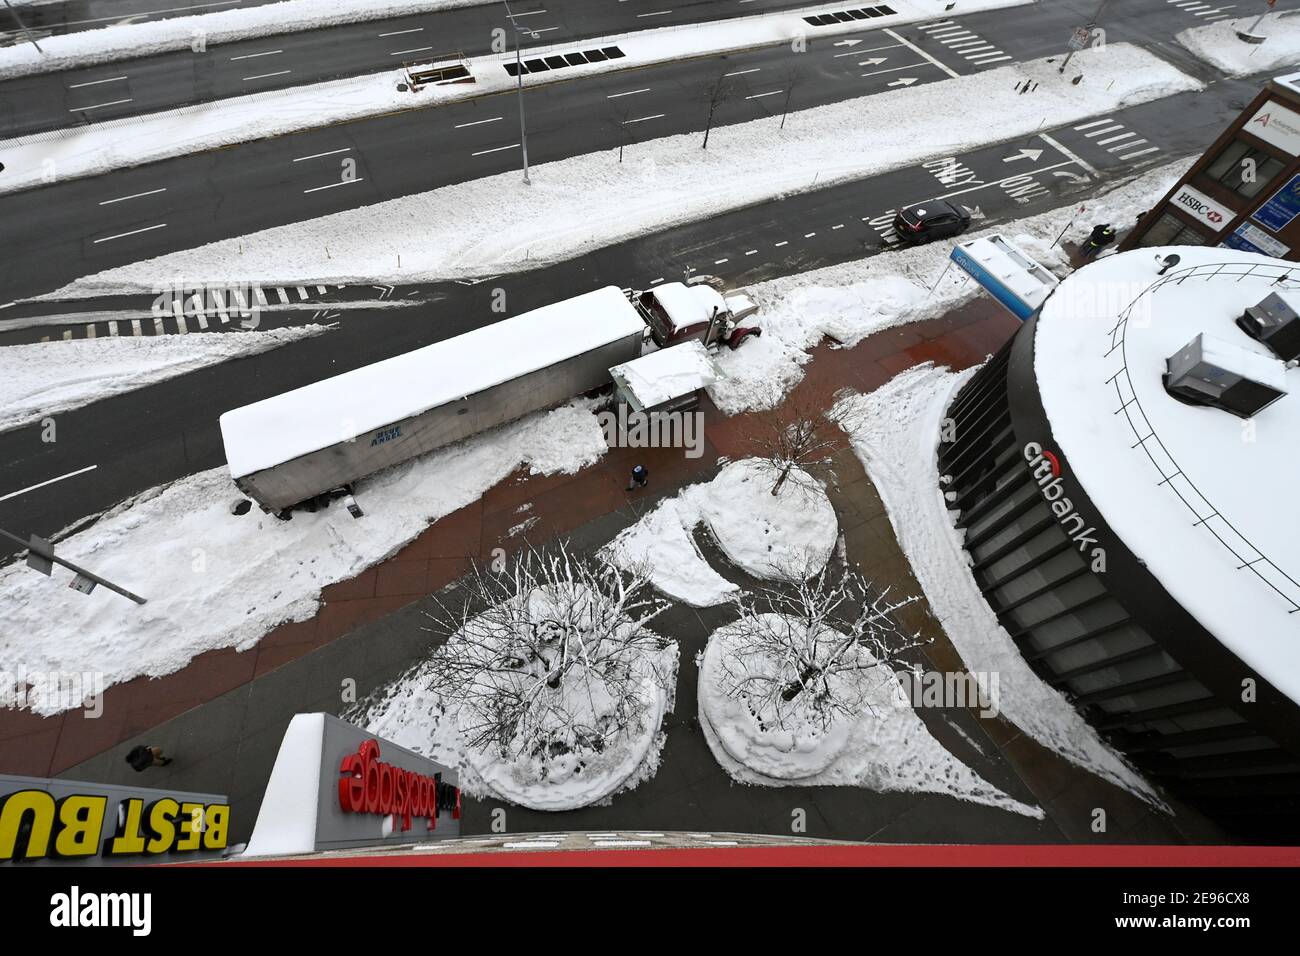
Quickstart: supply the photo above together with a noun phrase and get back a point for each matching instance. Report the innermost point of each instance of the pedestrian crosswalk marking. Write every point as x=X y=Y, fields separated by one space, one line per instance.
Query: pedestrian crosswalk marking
x=284 y=296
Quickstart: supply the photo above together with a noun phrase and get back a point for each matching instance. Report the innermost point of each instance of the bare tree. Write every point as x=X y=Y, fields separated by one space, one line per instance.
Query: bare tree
x=718 y=92
x=798 y=442
x=804 y=656
x=791 y=76
x=624 y=131
x=547 y=657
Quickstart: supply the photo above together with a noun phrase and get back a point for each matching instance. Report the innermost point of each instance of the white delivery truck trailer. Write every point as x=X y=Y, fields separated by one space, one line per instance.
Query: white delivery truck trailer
x=314 y=440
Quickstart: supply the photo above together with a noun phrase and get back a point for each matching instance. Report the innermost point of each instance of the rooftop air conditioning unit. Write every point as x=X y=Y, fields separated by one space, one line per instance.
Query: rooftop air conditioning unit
x=1209 y=371
x=1274 y=323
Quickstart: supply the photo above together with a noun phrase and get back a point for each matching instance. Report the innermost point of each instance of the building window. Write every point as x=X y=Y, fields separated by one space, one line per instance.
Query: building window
x=1243 y=168
x=1169 y=230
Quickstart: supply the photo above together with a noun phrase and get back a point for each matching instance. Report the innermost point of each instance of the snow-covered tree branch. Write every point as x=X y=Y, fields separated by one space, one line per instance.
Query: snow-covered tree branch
x=801 y=657
x=549 y=659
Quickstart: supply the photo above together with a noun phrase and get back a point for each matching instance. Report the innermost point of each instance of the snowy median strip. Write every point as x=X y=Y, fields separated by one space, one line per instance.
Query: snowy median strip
x=73 y=152
x=127 y=41
x=50 y=377
x=587 y=202
x=1219 y=45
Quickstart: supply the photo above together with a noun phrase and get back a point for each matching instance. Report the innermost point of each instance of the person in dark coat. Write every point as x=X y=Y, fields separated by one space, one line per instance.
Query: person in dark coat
x=639 y=477
x=142 y=758
x=1101 y=236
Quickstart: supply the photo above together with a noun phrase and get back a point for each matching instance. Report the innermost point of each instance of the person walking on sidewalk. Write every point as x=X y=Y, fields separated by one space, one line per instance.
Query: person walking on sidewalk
x=142 y=758
x=1102 y=235
x=639 y=477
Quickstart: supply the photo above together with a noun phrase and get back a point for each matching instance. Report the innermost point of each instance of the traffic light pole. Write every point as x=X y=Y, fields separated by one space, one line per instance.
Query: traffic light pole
x=41 y=556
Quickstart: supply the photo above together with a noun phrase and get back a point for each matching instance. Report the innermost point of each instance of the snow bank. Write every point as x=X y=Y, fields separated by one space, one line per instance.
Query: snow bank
x=895 y=432
x=767 y=536
x=130 y=40
x=216 y=580
x=586 y=202
x=887 y=748
x=1219 y=45
x=51 y=377
x=97 y=148
x=855 y=299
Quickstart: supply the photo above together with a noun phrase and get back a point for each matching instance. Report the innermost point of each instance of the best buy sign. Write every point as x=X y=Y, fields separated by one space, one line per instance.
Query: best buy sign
x=63 y=821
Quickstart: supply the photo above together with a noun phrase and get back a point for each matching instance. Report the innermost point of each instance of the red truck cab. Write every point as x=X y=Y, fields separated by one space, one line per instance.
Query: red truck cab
x=677 y=312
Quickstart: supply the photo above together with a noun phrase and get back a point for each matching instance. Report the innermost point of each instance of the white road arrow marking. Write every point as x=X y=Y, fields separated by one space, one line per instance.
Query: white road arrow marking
x=1023 y=154
x=847 y=42
x=874 y=61
x=908 y=81
x=1075 y=178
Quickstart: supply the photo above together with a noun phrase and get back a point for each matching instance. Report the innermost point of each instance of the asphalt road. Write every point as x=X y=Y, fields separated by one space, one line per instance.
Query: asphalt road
x=165 y=431
x=92 y=224
x=165 y=81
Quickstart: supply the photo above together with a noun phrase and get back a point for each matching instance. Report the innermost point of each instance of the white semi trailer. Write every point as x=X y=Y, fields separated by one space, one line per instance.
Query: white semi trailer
x=317 y=440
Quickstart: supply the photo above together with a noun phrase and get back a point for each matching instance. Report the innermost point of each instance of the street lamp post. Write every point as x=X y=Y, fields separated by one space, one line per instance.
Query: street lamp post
x=523 y=131
x=27 y=33
x=519 y=84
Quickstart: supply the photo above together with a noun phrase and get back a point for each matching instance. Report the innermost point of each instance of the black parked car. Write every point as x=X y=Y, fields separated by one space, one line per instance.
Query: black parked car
x=925 y=222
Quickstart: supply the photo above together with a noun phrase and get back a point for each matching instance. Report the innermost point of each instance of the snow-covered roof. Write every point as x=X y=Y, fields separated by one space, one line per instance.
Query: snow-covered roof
x=667 y=373
x=316 y=416
x=1238 y=476
x=688 y=305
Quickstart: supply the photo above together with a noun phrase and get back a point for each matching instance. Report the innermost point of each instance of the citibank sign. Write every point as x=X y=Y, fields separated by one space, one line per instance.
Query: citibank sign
x=1045 y=469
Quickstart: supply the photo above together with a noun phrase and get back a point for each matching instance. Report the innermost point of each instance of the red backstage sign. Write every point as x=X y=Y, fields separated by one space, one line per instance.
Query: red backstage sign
x=368 y=785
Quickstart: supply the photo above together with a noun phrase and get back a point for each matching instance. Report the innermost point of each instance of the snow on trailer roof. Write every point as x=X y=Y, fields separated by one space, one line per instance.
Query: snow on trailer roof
x=687 y=305
x=666 y=374
x=1239 y=477
x=307 y=419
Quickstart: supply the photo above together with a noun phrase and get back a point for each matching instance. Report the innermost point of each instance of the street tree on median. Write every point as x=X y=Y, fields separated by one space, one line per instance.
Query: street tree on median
x=717 y=93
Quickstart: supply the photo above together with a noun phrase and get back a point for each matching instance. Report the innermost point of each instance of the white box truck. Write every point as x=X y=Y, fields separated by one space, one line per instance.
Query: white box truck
x=315 y=441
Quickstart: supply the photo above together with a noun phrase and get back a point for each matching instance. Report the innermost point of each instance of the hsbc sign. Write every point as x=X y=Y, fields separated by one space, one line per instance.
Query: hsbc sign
x=1203 y=208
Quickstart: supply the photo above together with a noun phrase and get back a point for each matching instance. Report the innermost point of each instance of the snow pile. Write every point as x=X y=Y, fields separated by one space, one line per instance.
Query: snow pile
x=663 y=542
x=886 y=748
x=217 y=580
x=411 y=713
x=51 y=377
x=855 y=299
x=131 y=40
x=86 y=150
x=579 y=204
x=895 y=432
x=1219 y=45
x=780 y=536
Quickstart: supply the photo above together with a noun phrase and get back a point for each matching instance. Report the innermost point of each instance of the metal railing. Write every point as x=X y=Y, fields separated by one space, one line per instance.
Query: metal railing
x=1172 y=476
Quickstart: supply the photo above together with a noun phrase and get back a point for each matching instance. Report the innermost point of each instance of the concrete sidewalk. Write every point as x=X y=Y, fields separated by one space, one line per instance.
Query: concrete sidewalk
x=223 y=715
